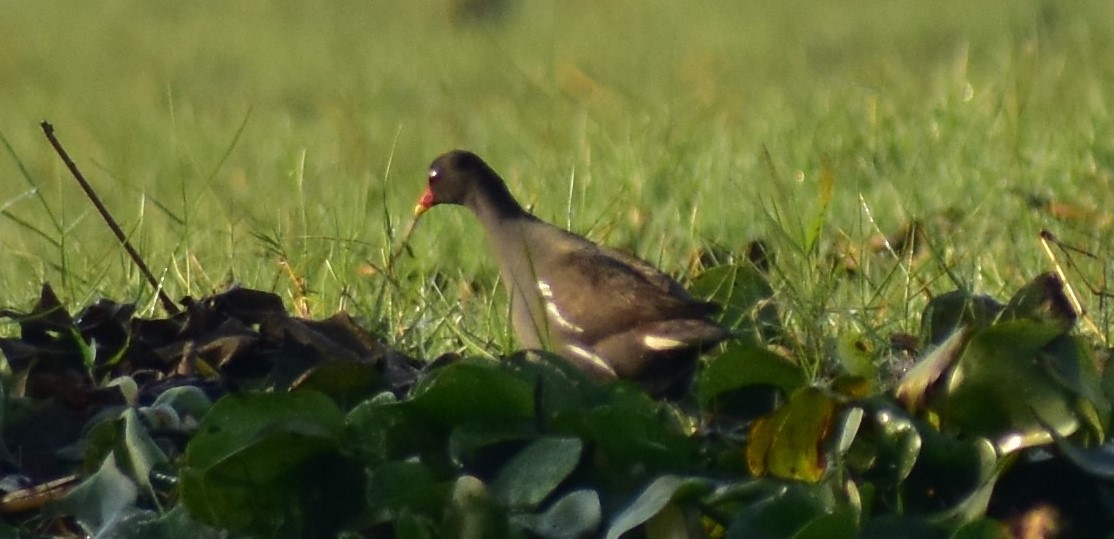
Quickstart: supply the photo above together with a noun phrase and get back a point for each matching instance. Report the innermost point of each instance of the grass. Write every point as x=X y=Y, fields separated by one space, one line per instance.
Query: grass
x=252 y=142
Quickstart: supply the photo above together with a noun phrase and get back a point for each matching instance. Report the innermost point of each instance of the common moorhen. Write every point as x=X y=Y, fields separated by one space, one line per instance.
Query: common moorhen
x=611 y=314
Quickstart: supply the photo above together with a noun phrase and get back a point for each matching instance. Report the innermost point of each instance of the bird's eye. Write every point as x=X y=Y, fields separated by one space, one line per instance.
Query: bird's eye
x=433 y=174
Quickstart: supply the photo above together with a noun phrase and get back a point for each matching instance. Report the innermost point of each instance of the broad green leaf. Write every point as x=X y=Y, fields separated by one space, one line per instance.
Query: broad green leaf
x=887 y=446
x=485 y=445
x=838 y=524
x=536 y=471
x=1042 y=300
x=346 y=382
x=143 y=454
x=744 y=380
x=952 y=478
x=952 y=311
x=186 y=400
x=174 y=524
x=574 y=515
x=1001 y=389
x=745 y=294
x=784 y=515
x=892 y=526
x=1069 y=361
x=102 y=499
x=1097 y=461
x=651 y=501
x=396 y=488
x=473 y=391
x=633 y=438
x=268 y=464
x=381 y=429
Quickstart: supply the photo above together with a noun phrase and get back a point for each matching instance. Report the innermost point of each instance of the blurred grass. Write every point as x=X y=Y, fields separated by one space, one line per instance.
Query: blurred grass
x=229 y=137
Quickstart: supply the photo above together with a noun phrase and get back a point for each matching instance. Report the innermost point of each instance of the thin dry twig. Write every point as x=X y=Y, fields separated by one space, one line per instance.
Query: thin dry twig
x=167 y=303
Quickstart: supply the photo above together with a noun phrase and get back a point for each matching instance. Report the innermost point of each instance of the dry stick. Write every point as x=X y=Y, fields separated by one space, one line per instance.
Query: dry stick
x=167 y=303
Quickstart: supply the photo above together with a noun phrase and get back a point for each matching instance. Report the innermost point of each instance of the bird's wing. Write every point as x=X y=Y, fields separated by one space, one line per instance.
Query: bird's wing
x=591 y=294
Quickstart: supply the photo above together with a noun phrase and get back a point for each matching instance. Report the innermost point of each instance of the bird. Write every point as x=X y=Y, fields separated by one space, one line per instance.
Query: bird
x=609 y=313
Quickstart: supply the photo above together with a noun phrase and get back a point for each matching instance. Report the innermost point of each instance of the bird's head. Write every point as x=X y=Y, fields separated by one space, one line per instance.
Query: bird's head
x=453 y=179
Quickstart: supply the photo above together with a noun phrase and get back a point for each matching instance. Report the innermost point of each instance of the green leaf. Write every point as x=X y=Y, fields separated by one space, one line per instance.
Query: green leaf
x=741 y=379
x=576 y=514
x=143 y=454
x=887 y=446
x=1001 y=389
x=536 y=471
x=268 y=464
x=955 y=310
x=346 y=382
x=745 y=294
x=174 y=524
x=396 y=488
x=651 y=501
x=839 y=524
x=102 y=499
x=633 y=438
x=186 y=400
x=784 y=515
x=473 y=391
x=952 y=479
x=1043 y=300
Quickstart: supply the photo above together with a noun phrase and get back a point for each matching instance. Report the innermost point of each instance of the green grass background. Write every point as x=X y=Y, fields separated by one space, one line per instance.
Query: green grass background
x=228 y=136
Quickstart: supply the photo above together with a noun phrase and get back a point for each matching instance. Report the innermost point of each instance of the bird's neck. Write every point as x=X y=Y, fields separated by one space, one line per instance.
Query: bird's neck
x=494 y=204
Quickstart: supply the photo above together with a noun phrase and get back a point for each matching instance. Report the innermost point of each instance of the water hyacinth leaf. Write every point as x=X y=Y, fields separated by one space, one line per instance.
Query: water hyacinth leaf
x=653 y=499
x=142 y=452
x=102 y=499
x=575 y=515
x=887 y=446
x=1001 y=389
x=1042 y=299
x=789 y=443
x=1097 y=461
x=532 y=475
x=486 y=445
x=745 y=294
x=267 y=463
x=395 y=488
x=953 y=311
x=1069 y=361
x=839 y=524
x=952 y=478
x=561 y=385
x=239 y=420
x=785 y=514
x=747 y=378
x=186 y=400
x=174 y=524
x=346 y=382
x=914 y=387
x=473 y=391
x=636 y=438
